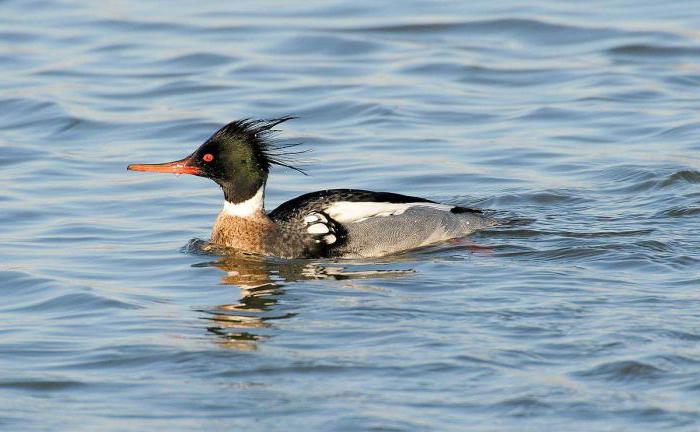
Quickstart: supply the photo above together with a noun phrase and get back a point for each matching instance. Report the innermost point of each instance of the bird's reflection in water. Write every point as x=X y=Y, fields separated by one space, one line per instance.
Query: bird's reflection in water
x=243 y=324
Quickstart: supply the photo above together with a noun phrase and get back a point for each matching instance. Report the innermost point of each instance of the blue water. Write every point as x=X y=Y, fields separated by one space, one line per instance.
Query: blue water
x=577 y=122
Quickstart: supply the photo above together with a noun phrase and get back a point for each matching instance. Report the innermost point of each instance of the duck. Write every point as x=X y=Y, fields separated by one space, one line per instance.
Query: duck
x=332 y=223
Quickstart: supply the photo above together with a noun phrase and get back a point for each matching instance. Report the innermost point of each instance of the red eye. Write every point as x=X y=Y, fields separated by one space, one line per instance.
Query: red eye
x=208 y=157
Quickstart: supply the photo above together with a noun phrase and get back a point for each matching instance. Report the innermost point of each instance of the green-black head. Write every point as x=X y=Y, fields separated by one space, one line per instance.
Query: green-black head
x=237 y=157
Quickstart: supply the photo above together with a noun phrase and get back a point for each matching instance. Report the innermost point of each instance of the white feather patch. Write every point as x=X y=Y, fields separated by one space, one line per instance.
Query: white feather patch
x=348 y=211
x=247 y=208
x=318 y=228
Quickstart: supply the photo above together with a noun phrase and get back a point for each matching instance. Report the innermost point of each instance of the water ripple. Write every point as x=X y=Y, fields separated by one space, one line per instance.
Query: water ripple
x=626 y=371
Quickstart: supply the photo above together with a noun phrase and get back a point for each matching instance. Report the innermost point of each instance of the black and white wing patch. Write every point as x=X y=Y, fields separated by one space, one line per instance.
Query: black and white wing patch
x=326 y=232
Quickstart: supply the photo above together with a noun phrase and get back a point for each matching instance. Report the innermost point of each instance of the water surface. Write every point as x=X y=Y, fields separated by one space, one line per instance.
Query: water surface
x=578 y=123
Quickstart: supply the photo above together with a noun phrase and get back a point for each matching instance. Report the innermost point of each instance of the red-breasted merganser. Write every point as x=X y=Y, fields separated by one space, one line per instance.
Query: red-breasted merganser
x=345 y=223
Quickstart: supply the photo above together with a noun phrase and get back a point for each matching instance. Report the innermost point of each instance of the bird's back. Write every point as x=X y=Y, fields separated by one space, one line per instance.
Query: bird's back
x=372 y=224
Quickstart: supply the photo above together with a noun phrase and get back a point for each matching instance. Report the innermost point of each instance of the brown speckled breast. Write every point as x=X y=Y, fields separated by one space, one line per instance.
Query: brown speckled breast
x=258 y=234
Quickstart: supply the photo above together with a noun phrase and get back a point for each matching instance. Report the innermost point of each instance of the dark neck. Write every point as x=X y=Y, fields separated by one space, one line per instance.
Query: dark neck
x=239 y=192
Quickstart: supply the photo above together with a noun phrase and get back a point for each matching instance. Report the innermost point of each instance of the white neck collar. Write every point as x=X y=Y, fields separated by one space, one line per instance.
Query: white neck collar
x=249 y=207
